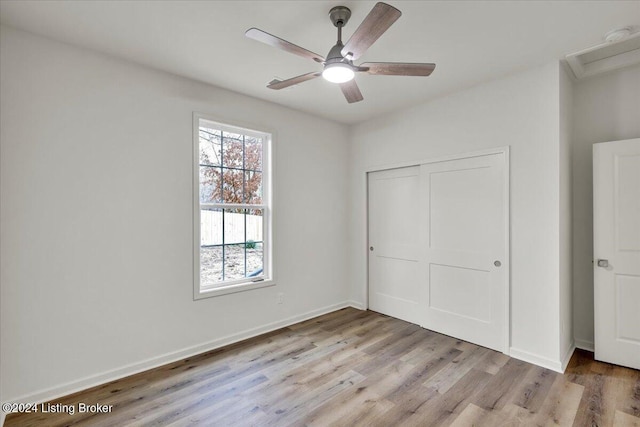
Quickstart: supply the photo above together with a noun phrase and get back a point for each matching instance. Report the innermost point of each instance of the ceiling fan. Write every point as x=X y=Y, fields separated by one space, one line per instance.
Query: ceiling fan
x=338 y=65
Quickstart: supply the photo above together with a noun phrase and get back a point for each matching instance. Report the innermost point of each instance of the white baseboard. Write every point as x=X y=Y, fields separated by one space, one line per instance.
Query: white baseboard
x=554 y=365
x=154 y=362
x=567 y=357
x=585 y=345
x=357 y=305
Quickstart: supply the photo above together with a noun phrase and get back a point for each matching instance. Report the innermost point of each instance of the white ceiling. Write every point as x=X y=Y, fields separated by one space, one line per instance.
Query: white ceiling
x=470 y=41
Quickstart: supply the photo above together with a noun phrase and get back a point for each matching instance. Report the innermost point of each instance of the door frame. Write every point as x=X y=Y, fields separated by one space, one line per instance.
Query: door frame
x=507 y=215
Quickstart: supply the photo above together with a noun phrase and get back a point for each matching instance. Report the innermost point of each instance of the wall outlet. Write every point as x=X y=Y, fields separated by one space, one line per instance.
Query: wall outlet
x=280 y=298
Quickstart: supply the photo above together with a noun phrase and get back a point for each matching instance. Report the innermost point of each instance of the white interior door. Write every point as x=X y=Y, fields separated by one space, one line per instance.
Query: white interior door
x=394 y=245
x=465 y=268
x=616 y=221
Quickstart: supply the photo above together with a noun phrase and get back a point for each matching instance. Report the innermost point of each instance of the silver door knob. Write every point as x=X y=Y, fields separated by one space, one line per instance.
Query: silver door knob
x=604 y=263
x=371 y=248
x=497 y=263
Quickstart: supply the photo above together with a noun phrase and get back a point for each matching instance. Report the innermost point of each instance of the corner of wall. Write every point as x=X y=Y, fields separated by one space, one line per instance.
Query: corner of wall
x=566 y=212
x=583 y=344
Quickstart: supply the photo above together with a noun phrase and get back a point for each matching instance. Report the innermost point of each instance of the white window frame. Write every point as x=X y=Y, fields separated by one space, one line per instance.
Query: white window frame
x=267 y=278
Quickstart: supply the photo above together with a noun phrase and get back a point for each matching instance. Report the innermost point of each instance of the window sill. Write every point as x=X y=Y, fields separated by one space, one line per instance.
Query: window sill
x=231 y=289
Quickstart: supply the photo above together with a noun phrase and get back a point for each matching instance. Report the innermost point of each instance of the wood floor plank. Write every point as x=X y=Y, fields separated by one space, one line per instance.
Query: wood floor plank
x=432 y=344
x=500 y=388
x=297 y=407
x=471 y=415
x=561 y=405
x=493 y=362
x=534 y=389
x=404 y=412
x=423 y=372
x=161 y=412
x=509 y=416
x=513 y=416
x=360 y=406
x=358 y=368
x=617 y=387
x=247 y=412
x=631 y=403
x=590 y=411
x=390 y=343
x=443 y=380
x=443 y=409
x=622 y=419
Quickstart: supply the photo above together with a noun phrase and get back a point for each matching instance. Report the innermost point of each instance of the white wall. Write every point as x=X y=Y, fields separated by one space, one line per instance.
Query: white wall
x=92 y=286
x=606 y=108
x=521 y=111
x=566 y=286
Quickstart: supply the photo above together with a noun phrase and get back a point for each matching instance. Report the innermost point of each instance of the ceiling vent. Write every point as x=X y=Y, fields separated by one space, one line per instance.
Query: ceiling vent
x=621 y=49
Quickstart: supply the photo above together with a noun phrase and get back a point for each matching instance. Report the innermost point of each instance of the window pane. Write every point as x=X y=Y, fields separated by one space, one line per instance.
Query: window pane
x=253 y=187
x=231 y=165
x=233 y=226
x=232 y=150
x=254 y=225
x=210 y=184
x=210 y=266
x=253 y=153
x=255 y=262
x=210 y=147
x=234 y=262
x=232 y=185
x=211 y=227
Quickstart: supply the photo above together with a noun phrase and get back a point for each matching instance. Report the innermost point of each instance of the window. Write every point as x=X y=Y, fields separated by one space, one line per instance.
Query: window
x=233 y=210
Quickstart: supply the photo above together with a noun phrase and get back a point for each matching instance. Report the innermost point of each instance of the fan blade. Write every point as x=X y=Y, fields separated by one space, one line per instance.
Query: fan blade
x=271 y=40
x=281 y=84
x=398 y=68
x=351 y=91
x=381 y=17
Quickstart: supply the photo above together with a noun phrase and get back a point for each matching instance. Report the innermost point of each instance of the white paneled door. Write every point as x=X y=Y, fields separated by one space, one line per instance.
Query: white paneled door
x=616 y=222
x=439 y=247
x=394 y=244
x=465 y=249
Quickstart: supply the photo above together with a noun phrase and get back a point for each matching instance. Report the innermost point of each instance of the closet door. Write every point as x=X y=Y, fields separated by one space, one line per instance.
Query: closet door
x=394 y=244
x=464 y=266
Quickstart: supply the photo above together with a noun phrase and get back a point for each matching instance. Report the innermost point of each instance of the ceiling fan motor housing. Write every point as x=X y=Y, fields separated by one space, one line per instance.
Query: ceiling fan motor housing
x=335 y=55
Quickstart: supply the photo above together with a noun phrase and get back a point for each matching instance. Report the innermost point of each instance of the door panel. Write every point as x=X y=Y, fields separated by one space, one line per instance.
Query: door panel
x=397 y=277
x=460 y=291
x=627 y=207
x=628 y=313
x=616 y=220
x=464 y=203
x=393 y=262
x=457 y=196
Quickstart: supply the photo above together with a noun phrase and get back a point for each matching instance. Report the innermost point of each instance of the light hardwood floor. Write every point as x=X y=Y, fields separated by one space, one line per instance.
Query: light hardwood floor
x=356 y=367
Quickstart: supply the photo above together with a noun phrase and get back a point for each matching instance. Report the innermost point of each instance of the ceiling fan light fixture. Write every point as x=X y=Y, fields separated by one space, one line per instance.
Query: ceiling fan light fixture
x=338 y=73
